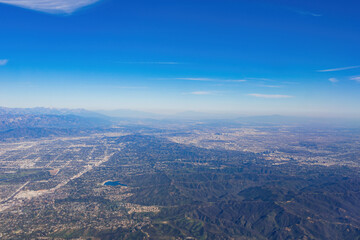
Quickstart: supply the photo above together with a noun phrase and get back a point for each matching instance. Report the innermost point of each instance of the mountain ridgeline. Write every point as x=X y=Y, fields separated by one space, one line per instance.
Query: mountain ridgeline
x=42 y=122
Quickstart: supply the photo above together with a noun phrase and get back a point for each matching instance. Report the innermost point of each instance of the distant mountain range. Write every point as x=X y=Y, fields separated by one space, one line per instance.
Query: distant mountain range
x=50 y=111
x=11 y=118
x=46 y=122
x=127 y=113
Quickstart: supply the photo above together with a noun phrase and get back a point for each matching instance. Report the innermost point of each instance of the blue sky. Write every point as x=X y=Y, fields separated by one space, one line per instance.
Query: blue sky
x=249 y=57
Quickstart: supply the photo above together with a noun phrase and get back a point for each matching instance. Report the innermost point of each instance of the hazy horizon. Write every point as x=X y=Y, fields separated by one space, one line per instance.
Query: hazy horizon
x=238 y=57
x=171 y=114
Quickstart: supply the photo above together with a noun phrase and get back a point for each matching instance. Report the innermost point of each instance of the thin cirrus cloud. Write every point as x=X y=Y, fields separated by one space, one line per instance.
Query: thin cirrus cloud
x=260 y=79
x=357 y=79
x=201 y=93
x=51 y=6
x=197 y=79
x=271 y=86
x=3 y=62
x=211 y=80
x=333 y=80
x=309 y=13
x=269 y=96
x=151 y=63
x=237 y=80
x=338 y=69
x=130 y=87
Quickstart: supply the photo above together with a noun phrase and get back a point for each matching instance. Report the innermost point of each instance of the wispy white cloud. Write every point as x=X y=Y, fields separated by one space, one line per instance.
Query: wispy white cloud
x=338 y=69
x=275 y=96
x=201 y=93
x=237 y=80
x=160 y=63
x=213 y=80
x=309 y=13
x=271 y=86
x=291 y=83
x=260 y=79
x=130 y=87
x=3 y=62
x=51 y=6
x=357 y=79
x=198 y=79
x=333 y=80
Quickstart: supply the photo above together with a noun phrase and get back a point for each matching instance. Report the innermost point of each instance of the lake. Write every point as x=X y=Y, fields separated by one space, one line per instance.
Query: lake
x=114 y=183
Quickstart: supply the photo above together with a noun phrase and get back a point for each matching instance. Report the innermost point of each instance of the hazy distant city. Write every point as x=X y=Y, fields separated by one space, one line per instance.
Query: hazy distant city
x=66 y=176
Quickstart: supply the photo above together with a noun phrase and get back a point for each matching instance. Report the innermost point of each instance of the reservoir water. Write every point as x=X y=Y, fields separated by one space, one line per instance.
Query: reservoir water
x=114 y=183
